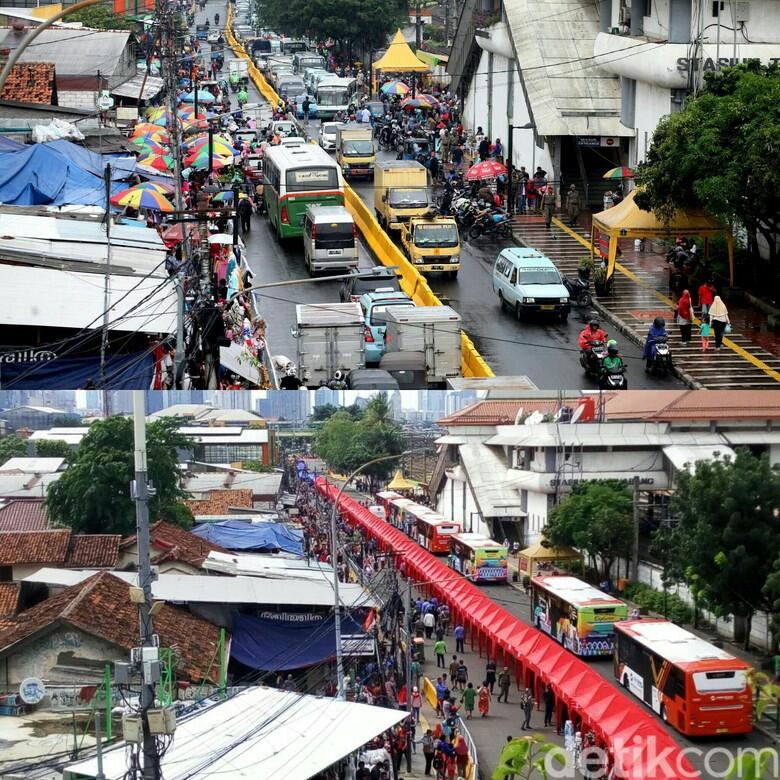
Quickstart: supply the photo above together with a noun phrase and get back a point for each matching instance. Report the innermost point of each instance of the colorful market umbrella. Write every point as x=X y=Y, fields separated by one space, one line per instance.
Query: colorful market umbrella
x=203 y=140
x=202 y=161
x=142 y=199
x=489 y=169
x=146 y=146
x=222 y=197
x=187 y=112
x=420 y=101
x=621 y=172
x=160 y=162
x=155 y=186
x=220 y=148
x=395 y=88
x=148 y=128
x=203 y=97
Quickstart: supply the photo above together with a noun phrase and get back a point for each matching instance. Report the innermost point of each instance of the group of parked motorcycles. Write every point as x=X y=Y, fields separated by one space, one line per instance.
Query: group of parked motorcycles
x=475 y=216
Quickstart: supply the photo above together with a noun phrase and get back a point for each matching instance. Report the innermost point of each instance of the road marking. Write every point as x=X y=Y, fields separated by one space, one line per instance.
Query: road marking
x=743 y=353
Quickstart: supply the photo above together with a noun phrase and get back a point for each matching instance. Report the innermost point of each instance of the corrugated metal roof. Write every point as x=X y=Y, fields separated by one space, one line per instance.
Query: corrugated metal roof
x=74 y=52
x=487 y=474
x=60 y=299
x=33 y=465
x=25 y=485
x=132 y=87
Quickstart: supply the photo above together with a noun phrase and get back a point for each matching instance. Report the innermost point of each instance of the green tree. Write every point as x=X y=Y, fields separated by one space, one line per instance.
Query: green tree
x=751 y=765
x=93 y=495
x=102 y=17
x=12 y=447
x=772 y=591
x=379 y=410
x=52 y=448
x=530 y=757
x=256 y=465
x=726 y=538
x=722 y=153
x=597 y=518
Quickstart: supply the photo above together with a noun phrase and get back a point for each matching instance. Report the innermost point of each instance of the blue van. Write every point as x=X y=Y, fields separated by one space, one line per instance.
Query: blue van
x=527 y=282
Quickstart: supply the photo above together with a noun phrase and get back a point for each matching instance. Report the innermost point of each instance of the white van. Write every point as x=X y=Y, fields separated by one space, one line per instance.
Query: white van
x=527 y=282
x=329 y=239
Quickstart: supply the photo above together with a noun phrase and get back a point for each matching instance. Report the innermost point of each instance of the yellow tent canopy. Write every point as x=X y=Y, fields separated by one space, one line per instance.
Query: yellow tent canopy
x=537 y=553
x=399 y=58
x=399 y=482
x=627 y=220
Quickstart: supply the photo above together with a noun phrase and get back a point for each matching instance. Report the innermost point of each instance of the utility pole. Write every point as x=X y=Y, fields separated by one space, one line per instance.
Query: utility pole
x=635 y=541
x=99 y=746
x=141 y=493
x=107 y=283
x=418 y=26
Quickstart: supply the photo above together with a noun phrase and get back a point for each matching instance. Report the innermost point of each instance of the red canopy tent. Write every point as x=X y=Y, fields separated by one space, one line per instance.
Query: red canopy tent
x=631 y=733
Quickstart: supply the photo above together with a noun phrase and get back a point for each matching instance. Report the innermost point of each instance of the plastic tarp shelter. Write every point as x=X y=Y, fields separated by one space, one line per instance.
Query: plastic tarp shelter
x=538 y=553
x=536 y=658
x=399 y=58
x=627 y=220
x=278 y=645
x=258 y=733
x=240 y=535
x=43 y=176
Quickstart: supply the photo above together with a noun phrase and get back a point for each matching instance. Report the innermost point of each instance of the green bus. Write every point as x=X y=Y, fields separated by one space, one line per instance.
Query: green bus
x=295 y=177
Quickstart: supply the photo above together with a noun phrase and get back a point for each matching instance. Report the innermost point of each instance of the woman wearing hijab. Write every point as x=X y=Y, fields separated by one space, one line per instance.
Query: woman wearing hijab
x=685 y=316
x=719 y=319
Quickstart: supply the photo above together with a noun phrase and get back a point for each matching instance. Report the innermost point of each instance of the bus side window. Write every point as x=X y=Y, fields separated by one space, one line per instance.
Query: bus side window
x=675 y=684
x=513 y=278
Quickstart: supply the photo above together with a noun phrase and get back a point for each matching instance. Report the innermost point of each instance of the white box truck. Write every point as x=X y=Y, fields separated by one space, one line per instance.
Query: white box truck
x=329 y=338
x=433 y=331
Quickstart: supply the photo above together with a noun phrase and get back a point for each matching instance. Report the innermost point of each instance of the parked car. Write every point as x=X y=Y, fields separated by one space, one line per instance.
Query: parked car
x=369 y=280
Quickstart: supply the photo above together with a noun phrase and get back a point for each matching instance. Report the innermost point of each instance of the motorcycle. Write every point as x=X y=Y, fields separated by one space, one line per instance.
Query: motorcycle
x=578 y=289
x=661 y=364
x=613 y=379
x=491 y=223
x=592 y=358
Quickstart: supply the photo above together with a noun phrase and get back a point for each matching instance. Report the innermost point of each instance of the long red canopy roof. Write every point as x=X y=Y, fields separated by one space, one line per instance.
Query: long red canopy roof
x=632 y=734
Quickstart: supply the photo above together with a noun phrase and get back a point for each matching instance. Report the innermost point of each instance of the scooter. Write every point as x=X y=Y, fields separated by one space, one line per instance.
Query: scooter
x=662 y=360
x=578 y=289
x=491 y=223
x=614 y=379
x=592 y=358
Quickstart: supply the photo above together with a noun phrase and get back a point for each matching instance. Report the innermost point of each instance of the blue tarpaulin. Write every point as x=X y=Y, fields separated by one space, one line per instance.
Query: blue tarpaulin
x=40 y=175
x=275 y=645
x=240 y=535
x=125 y=372
x=122 y=166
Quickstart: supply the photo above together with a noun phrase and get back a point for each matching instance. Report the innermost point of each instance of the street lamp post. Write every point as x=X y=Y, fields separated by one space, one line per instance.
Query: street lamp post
x=512 y=128
x=334 y=560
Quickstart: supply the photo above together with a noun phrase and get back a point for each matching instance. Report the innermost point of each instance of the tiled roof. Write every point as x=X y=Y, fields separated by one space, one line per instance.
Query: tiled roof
x=101 y=606
x=31 y=82
x=17 y=547
x=93 y=551
x=27 y=515
x=694 y=405
x=220 y=501
x=169 y=542
x=499 y=412
x=9 y=598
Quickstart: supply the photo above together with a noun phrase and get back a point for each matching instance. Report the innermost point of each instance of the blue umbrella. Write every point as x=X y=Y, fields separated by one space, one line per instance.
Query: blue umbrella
x=203 y=97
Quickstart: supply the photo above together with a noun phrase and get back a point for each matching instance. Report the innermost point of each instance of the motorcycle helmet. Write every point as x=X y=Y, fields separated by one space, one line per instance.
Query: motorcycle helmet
x=612 y=348
x=594 y=324
x=659 y=322
x=338 y=376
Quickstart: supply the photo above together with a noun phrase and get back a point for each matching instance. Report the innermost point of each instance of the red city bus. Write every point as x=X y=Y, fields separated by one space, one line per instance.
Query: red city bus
x=695 y=687
x=434 y=531
x=384 y=499
x=397 y=514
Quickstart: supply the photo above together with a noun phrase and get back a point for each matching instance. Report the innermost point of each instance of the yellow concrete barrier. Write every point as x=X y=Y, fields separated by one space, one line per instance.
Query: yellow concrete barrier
x=413 y=283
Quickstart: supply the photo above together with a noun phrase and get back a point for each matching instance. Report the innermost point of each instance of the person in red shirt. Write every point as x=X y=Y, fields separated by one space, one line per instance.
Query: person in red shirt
x=590 y=333
x=706 y=296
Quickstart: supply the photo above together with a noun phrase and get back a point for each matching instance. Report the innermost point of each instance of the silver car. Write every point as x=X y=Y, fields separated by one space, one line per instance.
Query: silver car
x=327 y=137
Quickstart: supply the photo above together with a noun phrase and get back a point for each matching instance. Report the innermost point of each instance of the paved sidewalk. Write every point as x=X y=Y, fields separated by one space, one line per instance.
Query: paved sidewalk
x=640 y=293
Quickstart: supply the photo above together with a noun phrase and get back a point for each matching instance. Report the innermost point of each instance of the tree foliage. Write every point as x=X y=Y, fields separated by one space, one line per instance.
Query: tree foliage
x=12 y=447
x=351 y=23
x=597 y=518
x=345 y=443
x=728 y=534
x=529 y=757
x=722 y=152
x=772 y=591
x=102 y=17
x=93 y=495
x=52 y=448
x=321 y=413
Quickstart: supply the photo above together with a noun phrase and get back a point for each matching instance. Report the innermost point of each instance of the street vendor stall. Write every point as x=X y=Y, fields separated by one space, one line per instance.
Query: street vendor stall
x=537 y=555
x=399 y=58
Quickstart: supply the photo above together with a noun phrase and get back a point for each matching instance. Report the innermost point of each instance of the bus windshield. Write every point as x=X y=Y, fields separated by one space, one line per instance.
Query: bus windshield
x=335 y=96
x=357 y=148
x=306 y=179
x=445 y=235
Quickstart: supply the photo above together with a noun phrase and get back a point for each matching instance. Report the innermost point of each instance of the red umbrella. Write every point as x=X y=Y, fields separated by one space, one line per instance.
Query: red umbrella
x=489 y=169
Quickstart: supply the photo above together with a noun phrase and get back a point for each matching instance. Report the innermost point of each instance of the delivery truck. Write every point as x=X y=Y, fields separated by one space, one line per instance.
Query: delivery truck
x=400 y=191
x=432 y=243
x=355 y=152
x=329 y=338
x=433 y=331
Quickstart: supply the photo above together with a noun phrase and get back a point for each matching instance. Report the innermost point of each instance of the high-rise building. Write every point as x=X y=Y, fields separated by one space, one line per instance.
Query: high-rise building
x=324 y=396
x=289 y=405
x=233 y=399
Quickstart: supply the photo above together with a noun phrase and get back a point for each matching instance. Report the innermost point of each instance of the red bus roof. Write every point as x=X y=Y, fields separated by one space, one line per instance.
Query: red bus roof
x=574 y=591
x=678 y=646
